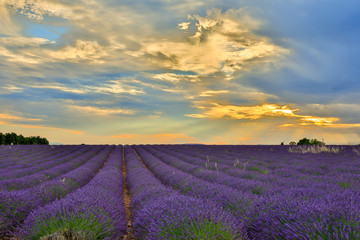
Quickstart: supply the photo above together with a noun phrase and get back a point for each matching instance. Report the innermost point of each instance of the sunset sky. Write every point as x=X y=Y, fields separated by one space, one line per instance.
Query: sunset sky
x=184 y=71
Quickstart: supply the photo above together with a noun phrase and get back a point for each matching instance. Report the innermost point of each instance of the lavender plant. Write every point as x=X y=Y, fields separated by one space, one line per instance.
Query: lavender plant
x=95 y=211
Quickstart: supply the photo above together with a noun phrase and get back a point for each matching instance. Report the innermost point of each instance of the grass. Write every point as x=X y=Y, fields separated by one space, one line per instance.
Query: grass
x=334 y=229
x=257 y=169
x=314 y=149
x=357 y=151
x=65 y=235
x=58 y=190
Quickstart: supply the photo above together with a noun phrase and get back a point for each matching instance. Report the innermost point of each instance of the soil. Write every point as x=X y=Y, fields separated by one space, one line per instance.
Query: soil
x=129 y=231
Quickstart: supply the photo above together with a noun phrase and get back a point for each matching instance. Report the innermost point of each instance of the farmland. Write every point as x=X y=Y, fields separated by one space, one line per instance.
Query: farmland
x=179 y=192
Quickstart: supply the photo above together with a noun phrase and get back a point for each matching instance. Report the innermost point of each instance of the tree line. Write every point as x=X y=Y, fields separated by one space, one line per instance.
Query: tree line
x=14 y=139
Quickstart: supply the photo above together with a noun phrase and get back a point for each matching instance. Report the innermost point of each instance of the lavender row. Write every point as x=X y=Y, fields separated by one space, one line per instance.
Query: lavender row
x=16 y=205
x=264 y=185
x=19 y=157
x=18 y=154
x=285 y=214
x=94 y=211
x=62 y=166
x=260 y=154
x=276 y=172
x=311 y=189
x=30 y=160
x=159 y=212
x=218 y=177
x=45 y=163
x=271 y=182
x=215 y=164
x=9 y=151
x=234 y=201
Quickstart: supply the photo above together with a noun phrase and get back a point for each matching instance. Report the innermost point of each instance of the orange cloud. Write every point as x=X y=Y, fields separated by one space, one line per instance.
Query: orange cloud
x=244 y=112
x=319 y=121
x=101 y=111
x=217 y=111
x=41 y=127
x=328 y=125
x=13 y=117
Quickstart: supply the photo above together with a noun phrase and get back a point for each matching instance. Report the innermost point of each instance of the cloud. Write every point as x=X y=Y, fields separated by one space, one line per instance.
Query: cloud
x=224 y=42
x=110 y=87
x=210 y=93
x=89 y=51
x=11 y=89
x=60 y=88
x=40 y=127
x=116 y=86
x=244 y=112
x=217 y=111
x=6 y=116
x=7 y=26
x=129 y=59
x=25 y=58
x=12 y=120
x=173 y=77
x=322 y=122
x=24 y=41
x=38 y=9
x=184 y=25
x=101 y=111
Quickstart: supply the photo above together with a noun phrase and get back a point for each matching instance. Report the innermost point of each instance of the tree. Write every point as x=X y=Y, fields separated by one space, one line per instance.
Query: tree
x=2 y=139
x=306 y=141
x=292 y=143
x=316 y=142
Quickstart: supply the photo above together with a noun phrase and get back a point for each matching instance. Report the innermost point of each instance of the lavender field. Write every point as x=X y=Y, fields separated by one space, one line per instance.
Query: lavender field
x=179 y=192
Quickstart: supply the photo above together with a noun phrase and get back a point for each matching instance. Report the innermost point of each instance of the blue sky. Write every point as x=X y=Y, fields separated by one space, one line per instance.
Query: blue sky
x=163 y=71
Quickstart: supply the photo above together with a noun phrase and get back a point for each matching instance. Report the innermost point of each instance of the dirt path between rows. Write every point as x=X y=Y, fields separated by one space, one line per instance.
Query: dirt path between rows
x=129 y=230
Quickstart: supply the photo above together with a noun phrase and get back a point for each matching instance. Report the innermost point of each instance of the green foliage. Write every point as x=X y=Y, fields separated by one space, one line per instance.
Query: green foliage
x=344 y=184
x=205 y=230
x=257 y=169
x=257 y=190
x=84 y=226
x=333 y=228
x=186 y=189
x=306 y=141
x=238 y=207
x=249 y=176
x=14 y=139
